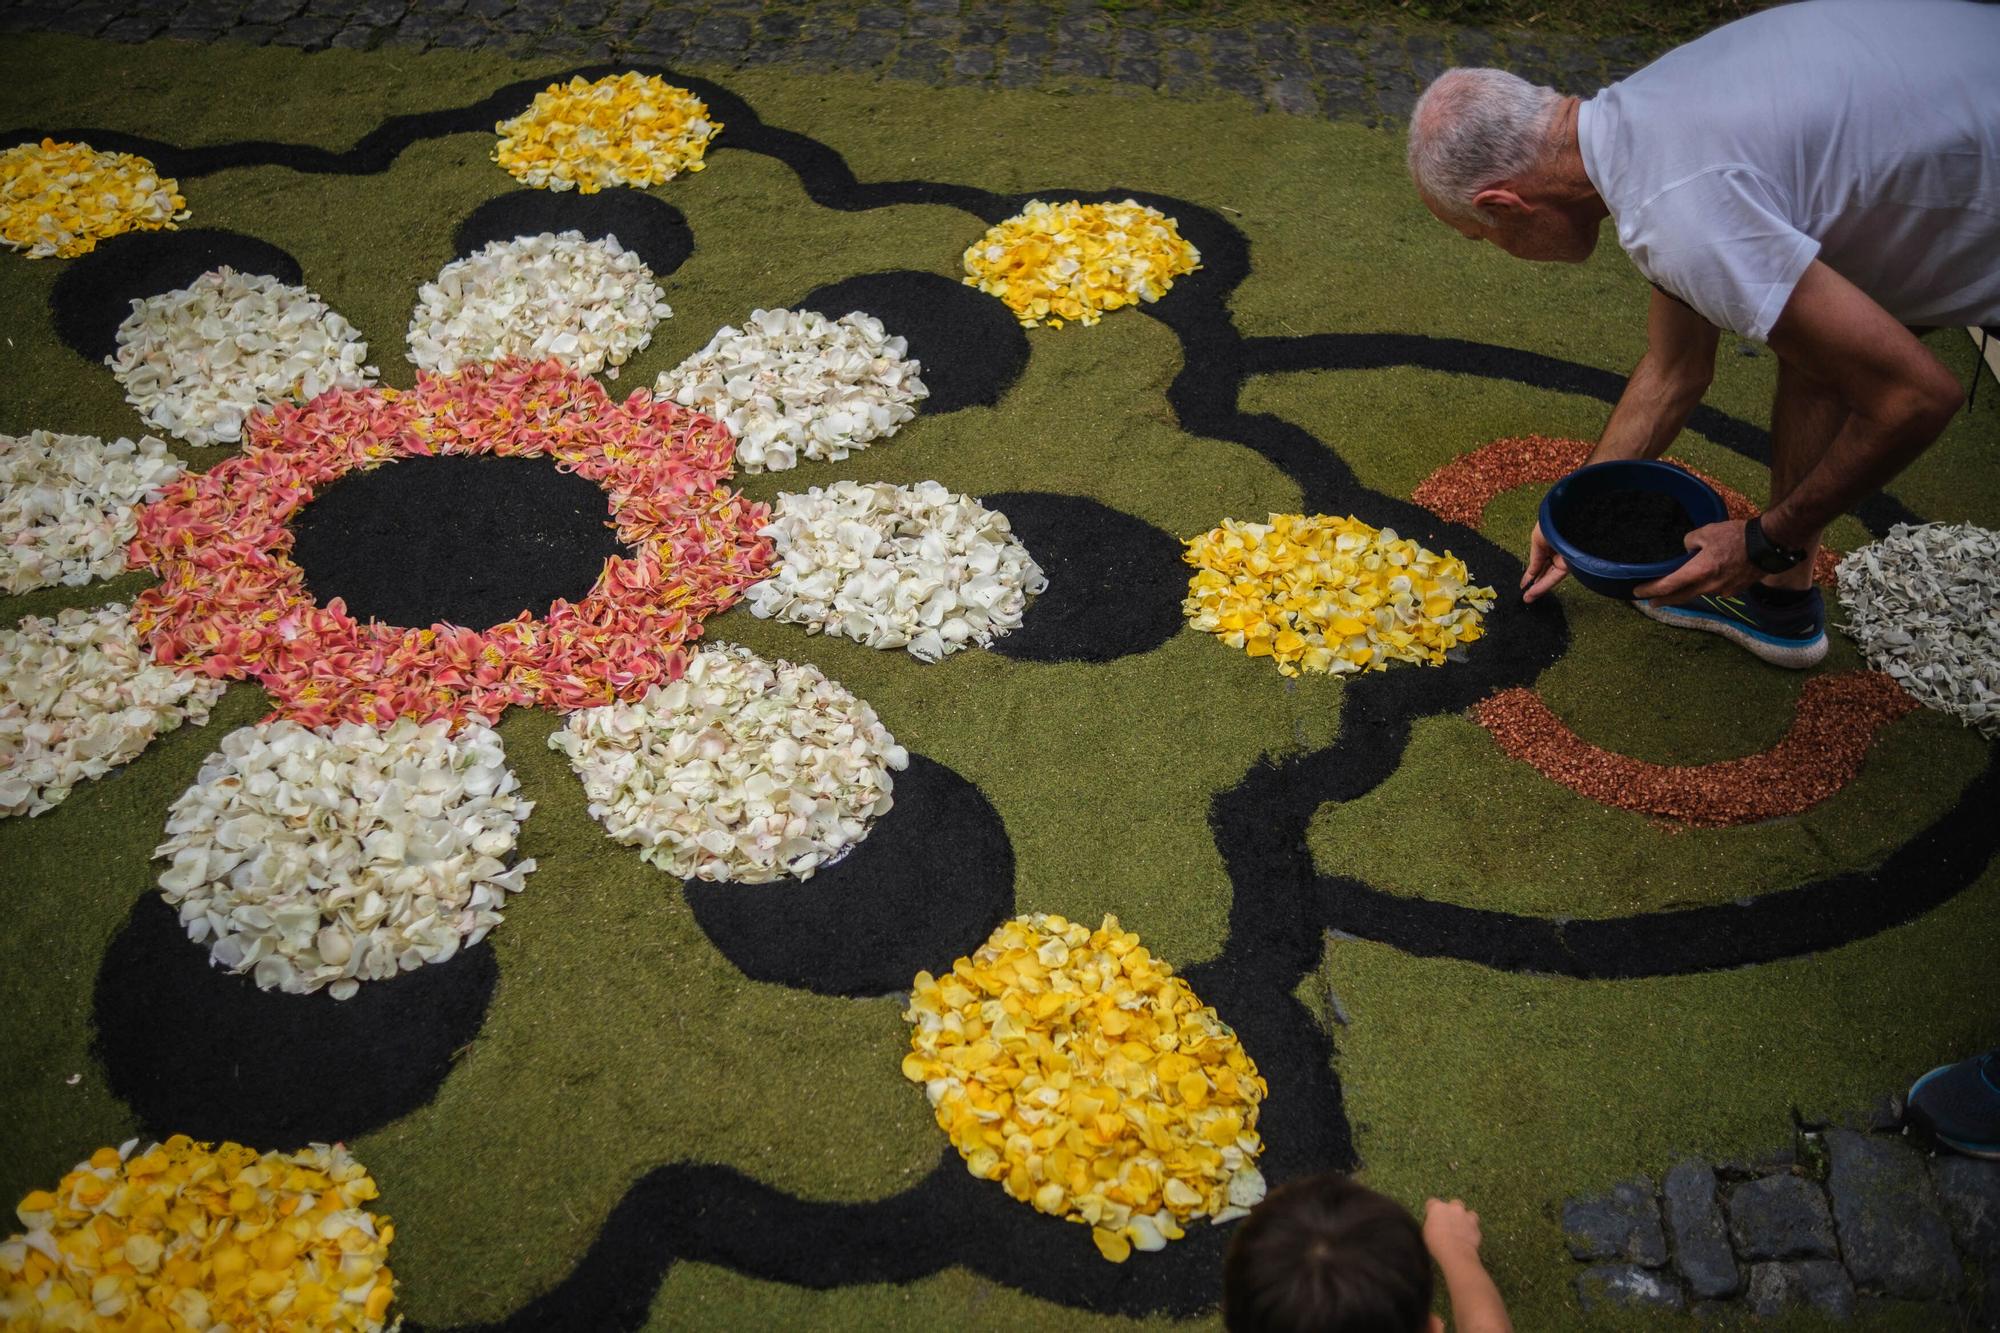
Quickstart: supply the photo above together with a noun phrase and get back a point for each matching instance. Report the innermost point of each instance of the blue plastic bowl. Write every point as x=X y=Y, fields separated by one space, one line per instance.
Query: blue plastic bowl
x=1581 y=487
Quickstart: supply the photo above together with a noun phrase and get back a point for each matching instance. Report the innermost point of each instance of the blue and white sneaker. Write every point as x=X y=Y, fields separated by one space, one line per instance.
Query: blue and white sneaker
x=1792 y=634
x=1959 y=1105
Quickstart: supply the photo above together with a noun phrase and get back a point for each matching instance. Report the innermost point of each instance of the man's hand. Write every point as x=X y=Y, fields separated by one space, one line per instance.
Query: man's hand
x=1545 y=568
x=1451 y=1230
x=1720 y=565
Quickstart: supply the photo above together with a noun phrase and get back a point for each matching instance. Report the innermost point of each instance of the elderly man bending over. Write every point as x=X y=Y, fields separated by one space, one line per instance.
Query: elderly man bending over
x=1824 y=177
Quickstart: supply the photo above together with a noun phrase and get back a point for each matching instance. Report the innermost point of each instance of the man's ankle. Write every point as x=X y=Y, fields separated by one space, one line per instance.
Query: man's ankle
x=1772 y=594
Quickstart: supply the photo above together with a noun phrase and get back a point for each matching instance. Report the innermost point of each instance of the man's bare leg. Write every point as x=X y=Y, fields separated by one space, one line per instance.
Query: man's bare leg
x=1805 y=416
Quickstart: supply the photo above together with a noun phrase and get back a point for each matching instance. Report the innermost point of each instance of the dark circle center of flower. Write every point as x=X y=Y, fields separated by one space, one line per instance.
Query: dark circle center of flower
x=463 y=541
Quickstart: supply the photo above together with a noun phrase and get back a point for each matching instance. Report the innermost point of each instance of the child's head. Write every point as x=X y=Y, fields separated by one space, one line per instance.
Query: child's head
x=1325 y=1255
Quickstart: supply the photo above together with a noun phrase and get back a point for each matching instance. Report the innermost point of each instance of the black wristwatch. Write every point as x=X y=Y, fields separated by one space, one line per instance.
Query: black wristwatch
x=1766 y=554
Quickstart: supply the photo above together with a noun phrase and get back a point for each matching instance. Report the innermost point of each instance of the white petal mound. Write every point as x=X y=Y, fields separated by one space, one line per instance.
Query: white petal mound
x=1924 y=606
x=794 y=384
x=742 y=770
x=329 y=858
x=80 y=695
x=69 y=503
x=197 y=360
x=587 y=304
x=912 y=567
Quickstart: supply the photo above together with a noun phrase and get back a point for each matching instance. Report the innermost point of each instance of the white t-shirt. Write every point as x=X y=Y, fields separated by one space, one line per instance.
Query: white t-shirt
x=1864 y=133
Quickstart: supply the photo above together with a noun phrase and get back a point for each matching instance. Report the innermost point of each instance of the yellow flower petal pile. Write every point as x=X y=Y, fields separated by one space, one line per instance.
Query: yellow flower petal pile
x=1330 y=594
x=1076 y=1069
x=61 y=199
x=1054 y=262
x=628 y=129
x=182 y=1237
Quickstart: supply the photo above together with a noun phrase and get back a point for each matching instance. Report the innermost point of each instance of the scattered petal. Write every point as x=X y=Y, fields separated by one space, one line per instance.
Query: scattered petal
x=1061 y=1062
x=1924 y=606
x=79 y=695
x=742 y=769
x=61 y=199
x=232 y=604
x=186 y=1236
x=1330 y=594
x=587 y=304
x=313 y=859
x=913 y=567
x=794 y=384
x=199 y=359
x=624 y=129
x=69 y=504
x=1057 y=262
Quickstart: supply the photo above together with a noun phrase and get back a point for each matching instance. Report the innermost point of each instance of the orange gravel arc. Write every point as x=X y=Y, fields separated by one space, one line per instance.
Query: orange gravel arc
x=1459 y=491
x=1837 y=720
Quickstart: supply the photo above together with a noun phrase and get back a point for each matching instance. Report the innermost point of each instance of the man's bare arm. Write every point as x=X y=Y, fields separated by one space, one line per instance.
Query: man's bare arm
x=1899 y=396
x=1664 y=388
x=1666 y=385
x=1899 y=399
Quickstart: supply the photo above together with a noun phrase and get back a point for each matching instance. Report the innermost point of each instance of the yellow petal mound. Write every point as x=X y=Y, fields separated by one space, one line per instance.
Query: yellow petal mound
x=61 y=199
x=182 y=1237
x=627 y=129
x=1330 y=594
x=1076 y=1069
x=1056 y=262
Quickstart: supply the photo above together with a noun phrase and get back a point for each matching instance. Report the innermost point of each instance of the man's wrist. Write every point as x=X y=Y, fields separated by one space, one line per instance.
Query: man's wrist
x=1782 y=530
x=1770 y=556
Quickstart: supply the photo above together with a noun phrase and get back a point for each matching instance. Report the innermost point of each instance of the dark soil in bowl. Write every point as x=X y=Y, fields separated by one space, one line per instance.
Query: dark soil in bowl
x=1629 y=527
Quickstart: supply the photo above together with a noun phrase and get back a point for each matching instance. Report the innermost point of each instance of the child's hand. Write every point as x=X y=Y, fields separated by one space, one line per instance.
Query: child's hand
x=1450 y=1229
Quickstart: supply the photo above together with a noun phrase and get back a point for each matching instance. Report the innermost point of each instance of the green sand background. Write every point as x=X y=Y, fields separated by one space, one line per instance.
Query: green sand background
x=1514 y=1092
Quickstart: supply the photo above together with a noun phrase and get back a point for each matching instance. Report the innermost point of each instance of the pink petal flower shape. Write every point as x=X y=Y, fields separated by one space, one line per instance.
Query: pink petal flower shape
x=231 y=603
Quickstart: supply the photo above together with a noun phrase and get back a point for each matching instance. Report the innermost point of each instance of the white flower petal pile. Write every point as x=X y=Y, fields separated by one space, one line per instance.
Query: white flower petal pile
x=69 y=504
x=742 y=770
x=587 y=304
x=80 y=695
x=1924 y=605
x=912 y=567
x=793 y=383
x=196 y=360
x=328 y=858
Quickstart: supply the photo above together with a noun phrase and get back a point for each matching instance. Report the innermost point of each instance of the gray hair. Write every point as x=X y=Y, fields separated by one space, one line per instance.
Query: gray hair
x=1473 y=128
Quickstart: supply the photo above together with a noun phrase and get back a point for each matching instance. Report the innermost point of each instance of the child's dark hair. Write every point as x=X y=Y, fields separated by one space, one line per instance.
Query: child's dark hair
x=1325 y=1255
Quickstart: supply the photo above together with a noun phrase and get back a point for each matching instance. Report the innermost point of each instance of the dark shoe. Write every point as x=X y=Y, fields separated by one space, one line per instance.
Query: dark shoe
x=1959 y=1105
x=1789 y=635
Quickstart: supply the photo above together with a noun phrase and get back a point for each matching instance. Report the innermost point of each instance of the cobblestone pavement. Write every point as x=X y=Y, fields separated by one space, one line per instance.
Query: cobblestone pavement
x=1369 y=72
x=1848 y=1221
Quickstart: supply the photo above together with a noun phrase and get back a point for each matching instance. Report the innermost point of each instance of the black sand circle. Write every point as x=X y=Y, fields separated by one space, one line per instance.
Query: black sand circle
x=928 y=884
x=1115 y=581
x=969 y=344
x=94 y=292
x=195 y=1050
x=459 y=541
x=651 y=228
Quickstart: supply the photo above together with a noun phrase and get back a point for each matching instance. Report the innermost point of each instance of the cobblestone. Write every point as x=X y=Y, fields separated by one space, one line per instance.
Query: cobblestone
x=1781 y=1217
x=1892 y=1232
x=1288 y=67
x=1847 y=1224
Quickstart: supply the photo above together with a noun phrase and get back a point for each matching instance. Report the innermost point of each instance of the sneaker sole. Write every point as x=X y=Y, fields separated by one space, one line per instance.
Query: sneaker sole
x=1792 y=654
